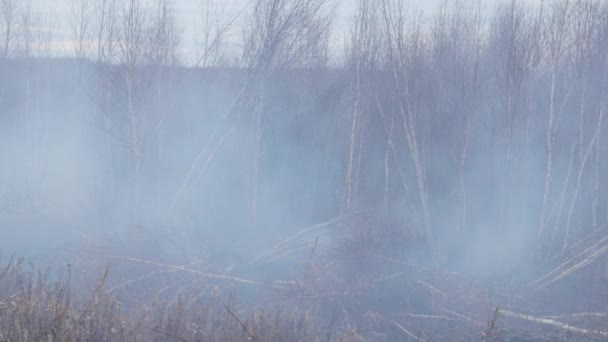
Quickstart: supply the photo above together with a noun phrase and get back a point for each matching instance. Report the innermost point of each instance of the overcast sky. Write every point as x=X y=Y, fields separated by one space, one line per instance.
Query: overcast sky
x=189 y=14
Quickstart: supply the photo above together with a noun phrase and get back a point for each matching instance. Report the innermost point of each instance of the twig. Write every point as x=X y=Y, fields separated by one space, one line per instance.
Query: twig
x=97 y=289
x=304 y=231
x=245 y=329
x=389 y=277
x=8 y=267
x=417 y=268
x=446 y=318
x=215 y=135
x=158 y=331
x=131 y=281
x=406 y=331
x=314 y=247
x=433 y=289
x=219 y=35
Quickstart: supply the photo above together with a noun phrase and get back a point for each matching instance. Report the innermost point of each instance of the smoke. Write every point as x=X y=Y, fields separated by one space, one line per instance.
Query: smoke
x=467 y=142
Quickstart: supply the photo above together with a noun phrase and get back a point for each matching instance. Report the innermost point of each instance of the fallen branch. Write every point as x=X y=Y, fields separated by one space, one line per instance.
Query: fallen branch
x=406 y=331
x=184 y=269
x=557 y=324
x=390 y=277
x=433 y=289
x=323 y=295
x=570 y=266
x=291 y=249
x=417 y=268
x=132 y=281
x=421 y=316
x=579 y=315
x=463 y=317
x=281 y=245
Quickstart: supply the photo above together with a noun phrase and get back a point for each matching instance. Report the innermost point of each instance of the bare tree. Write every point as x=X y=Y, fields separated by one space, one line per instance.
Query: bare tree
x=512 y=43
x=81 y=12
x=280 y=34
x=405 y=63
x=216 y=26
x=9 y=25
x=123 y=53
x=364 y=44
x=106 y=30
x=587 y=23
x=558 y=29
x=457 y=41
x=162 y=55
x=215 y=32
x=43 y=37
x=163 y=36
x=284 y=33
x=27 y=35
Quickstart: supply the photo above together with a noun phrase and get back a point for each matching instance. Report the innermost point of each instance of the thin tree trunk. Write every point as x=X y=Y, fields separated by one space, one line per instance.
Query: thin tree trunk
x=596 y=183
x=135 y=141
x=353 y=141
x=387 y=170
x=549 y=157
x=257 y=155
x=562 y=200
x=579 y=179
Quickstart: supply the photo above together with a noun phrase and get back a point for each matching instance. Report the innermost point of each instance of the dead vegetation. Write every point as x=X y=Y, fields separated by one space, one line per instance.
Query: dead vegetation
x=432 y=139
x=338 y=292
x=34 y=307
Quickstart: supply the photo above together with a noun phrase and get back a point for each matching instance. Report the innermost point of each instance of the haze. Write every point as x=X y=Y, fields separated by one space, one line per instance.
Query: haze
x=308 y=170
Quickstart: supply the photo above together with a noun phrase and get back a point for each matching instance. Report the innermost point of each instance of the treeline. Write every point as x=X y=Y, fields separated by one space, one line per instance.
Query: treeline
x=468 y=125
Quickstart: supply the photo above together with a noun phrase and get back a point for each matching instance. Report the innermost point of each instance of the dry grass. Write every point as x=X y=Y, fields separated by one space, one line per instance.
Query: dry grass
x=347 y=294
x=35 y=308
